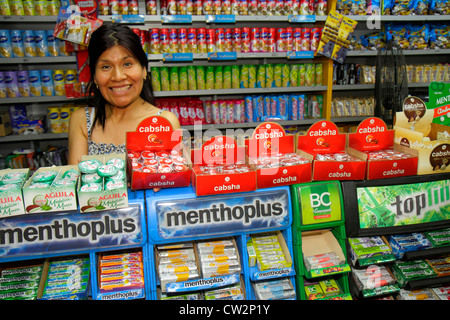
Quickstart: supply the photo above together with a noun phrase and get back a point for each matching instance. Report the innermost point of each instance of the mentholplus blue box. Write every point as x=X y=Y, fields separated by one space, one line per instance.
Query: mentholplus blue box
x=408 y=242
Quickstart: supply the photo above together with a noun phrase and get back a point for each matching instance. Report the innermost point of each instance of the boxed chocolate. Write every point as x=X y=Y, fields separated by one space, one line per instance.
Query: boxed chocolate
x=374 y=143
x=156 y=156
x=220 y=167
x=274 y=155
x=326 y=148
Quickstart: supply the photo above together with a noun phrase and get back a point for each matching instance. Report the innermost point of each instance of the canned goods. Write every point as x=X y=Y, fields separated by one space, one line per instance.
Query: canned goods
x=245 y=39
x=5 y=44
x=289 y=39
x=70 y=76
x=197 y=7
x=210 y=40
x=236 y=40
x=52 y=44
x=164 y=40
x=219 y=40
x=155 y=44
x=34 y=78
x=164 y=168
x=207 y=7
x=315 y=38
x=201 y=40
x=182 y=40
x=305 y=39
x=173 y=41
x=216 y=6
x=281 y=40
x=103 y=7
x=54 y=119
x=271 y=40
x=254 y=40
x=59 y=82
x=192 y=40
x=64 y=115
x=297 y=36
x=228 y=40
x=264 y=40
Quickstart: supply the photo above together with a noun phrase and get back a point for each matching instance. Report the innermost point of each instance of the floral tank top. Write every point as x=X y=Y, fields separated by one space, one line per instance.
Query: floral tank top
x=99 y=148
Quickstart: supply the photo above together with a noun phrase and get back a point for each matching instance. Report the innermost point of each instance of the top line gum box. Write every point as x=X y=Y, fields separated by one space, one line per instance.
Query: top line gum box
x=270 y=143
x=372 y=135
x=220 y=167
x=155 y=135
x=323 y=141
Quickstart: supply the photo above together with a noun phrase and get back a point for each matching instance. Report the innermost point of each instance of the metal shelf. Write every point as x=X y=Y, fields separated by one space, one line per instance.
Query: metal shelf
x=37 y=60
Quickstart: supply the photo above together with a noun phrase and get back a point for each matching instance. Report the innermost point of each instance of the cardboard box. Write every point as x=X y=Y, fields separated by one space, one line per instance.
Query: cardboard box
x=155 y=134
x=220 y=167
x=323 y=138
x=372 y=135
x=5 y=124
x=11 y=201
x=270 y=141
x=427 y=138
x=90 y=201
x=51 y=198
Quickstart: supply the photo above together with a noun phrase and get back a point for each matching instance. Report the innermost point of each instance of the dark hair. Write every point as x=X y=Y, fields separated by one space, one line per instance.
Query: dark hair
x=102 y=39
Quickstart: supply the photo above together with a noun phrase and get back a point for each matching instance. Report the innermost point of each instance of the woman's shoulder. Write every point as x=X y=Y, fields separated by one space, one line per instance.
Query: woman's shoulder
x=172 y=118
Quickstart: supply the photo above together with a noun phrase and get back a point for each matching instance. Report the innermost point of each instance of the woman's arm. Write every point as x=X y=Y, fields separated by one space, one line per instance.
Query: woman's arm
x=78 y=144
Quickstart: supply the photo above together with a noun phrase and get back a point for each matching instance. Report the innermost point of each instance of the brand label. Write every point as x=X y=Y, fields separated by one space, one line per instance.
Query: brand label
x=184 y=218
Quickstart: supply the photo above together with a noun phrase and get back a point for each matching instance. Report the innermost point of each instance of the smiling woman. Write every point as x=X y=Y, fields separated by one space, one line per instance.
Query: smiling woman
x=119 y=91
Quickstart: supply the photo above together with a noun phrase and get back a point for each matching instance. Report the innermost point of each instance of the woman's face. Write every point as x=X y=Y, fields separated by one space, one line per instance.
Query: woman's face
x=119 y=77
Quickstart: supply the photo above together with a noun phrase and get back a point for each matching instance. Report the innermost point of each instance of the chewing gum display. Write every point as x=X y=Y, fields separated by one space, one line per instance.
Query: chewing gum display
x=274 y=289
x=182 y=269
x=443 y=293
x=121 y=271
x=269 y=253
x=233 y=292
x=405 y=271
x=20 y=283
x=67 y=277
x=374 y=280
x=439 y=237
x=441 y=265
x=218 y=258
x=367 y=250
x=98 y=176
x=324 y=260
x=408 y=242
x=420 y=294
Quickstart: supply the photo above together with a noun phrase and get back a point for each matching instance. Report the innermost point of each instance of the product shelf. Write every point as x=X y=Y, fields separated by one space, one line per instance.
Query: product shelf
x=180 y=206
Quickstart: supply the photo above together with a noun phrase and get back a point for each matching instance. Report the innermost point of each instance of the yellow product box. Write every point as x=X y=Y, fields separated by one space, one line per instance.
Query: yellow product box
x=251 y=253
x=103 y=186
x=51 y=189
x=415 y=128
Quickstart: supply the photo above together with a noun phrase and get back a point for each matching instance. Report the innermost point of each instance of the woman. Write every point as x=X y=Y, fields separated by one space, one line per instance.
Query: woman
x=120 y=91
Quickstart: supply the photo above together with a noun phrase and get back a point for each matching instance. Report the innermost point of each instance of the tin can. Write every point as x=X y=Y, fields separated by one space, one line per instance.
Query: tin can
x=289 y=38
x=174 y=79
x=218 y=77
x=252 y=76
x=200 y=74
x=183 y=78
x=171 y=7
x=243 y=79
x=181 y=7
x=5 y=44
x=227 y=77
x=215 y=112
x=293 y=75
x=164 y=40
x=182 y=40
x=52 y=44
x=150 y=7
x=29 y=45
x=310 y=73
x=262 y=7
x=243 y=7
x=228 y=40
x=2 y=85
x=252 y=7
x=207 y=7
x=277 y=74
x=164 y=78
x=189 y=7
x=173 y=40
x=261 y=76
x=201 y=40
x=245 y=39
x=219 y=40
x=155 y=44
x=226 y=6
x=207 y=109
x=234 y=7
x=281 y=40
x=279 y=8
x=301 y=74
x=315 y=38
x=285 y=75
x=216 y=6
x=197 y=7
x=264 y=39
x=211 y=40
x=295 y=7
x=70 y=76
x=59 y=82
x=271 y=40
x=64 y=115
x=156 y=79
x=192 y=40
x=209 y=78
x=306 y=39
x=269 y=76
x=123 y=6
x=288 y=7
x=191 y=78
x=254 y=40
x=236 y=40
x=297 y=36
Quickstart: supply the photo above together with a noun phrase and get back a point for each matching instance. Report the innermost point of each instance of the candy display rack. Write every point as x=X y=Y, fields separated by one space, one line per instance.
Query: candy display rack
x=70 y=233
x=318 y=212
x=178 y=216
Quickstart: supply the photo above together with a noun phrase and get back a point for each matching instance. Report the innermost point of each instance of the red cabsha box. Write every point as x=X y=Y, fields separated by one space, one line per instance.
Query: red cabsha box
x=219 y=167
x=156 y=157
x=373 y=142
x=327 y=147
x=273 y=154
